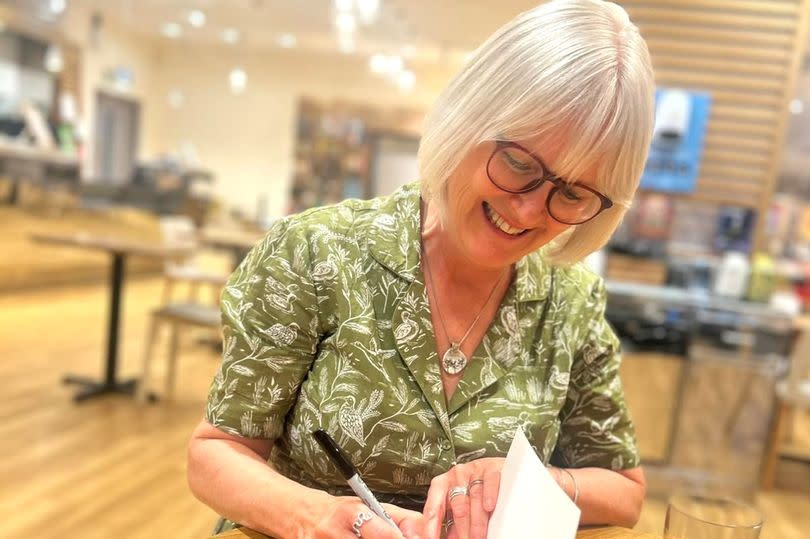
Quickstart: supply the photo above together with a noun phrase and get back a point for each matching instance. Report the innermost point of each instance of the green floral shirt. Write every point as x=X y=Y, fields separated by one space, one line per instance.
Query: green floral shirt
x=327 y=325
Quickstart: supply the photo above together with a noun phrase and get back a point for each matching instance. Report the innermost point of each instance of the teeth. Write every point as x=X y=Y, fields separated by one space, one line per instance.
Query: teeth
x=499 y=221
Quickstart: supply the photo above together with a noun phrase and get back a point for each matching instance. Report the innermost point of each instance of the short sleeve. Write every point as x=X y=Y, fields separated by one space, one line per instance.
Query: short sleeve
x=595 y=425
x=270 y=335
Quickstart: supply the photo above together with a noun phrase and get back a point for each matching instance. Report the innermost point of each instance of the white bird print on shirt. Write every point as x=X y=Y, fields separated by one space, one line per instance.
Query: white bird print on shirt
x=283 y=299
x=407 y=330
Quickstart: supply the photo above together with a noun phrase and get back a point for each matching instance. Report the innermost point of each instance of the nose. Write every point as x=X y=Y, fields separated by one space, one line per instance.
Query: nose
x=530 y=208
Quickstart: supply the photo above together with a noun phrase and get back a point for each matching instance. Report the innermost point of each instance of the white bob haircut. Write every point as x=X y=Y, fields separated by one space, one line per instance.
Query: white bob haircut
x=576 y=69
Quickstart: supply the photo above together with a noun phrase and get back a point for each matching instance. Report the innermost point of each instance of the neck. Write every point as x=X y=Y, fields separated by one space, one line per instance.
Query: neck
x=445 y=259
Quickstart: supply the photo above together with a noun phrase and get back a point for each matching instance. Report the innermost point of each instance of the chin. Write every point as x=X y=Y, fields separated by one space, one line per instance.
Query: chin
x=494 y=257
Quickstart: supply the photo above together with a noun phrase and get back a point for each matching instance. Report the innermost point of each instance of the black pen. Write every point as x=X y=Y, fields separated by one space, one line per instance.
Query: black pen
x=350 y=474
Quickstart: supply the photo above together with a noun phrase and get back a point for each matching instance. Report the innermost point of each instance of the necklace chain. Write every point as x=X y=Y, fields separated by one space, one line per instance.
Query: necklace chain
x=456 y=346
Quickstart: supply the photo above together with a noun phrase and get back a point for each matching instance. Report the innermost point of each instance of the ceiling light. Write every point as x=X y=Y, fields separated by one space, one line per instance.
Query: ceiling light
x=237 y=80
x=395 y=64
x=57 y=6
x=287 y=41
x=406 y=80
x=196 y=18
x=176 y=98
x=343 y=6
x=172 y=30
x=378 y=63
x=368 y=10
x=230 y=35
x=345 y=23
x=796 y=106
x=386 y=65
x=54 y=61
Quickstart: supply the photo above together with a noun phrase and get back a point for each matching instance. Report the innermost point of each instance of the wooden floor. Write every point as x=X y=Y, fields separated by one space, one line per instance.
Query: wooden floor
x=108 y=467
x=113 y=468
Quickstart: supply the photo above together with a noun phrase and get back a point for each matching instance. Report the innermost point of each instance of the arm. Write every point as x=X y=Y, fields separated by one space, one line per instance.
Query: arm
x=597 y=439
x=230 y=474
x=268 y=347
x=621 y=508
x=271 y=330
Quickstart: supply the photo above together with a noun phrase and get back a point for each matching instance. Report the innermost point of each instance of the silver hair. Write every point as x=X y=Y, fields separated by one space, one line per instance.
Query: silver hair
x=573 y=67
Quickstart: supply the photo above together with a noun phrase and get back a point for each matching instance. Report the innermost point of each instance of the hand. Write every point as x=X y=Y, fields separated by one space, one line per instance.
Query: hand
x=336 y=519
x=470 y=513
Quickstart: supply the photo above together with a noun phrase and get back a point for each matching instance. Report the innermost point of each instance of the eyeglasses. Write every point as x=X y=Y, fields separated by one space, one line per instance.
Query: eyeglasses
x=515 y=169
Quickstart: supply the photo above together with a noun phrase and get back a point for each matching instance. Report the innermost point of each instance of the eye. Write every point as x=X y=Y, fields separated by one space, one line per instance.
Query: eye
x=520 y=164
x=570 y=193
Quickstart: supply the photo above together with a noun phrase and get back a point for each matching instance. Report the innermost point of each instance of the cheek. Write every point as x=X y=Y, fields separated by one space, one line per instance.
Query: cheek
x=467 y=195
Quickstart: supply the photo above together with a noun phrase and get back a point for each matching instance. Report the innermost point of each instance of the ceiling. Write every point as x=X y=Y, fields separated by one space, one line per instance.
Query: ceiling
x=422 y=29
x=428 y=29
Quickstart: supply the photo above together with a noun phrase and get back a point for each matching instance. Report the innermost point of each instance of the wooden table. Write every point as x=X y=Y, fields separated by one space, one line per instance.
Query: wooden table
x=584 y=533
x=27 y=162
x=237 y=242
x=118 y=249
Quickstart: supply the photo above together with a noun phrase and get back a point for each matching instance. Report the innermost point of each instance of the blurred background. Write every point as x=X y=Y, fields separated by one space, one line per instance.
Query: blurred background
x=145 y=145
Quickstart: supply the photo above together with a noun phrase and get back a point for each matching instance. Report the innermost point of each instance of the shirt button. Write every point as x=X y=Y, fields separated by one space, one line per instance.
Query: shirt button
x=444 y=445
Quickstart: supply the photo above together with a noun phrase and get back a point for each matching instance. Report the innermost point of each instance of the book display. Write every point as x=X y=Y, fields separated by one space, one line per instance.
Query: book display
x=334 y=150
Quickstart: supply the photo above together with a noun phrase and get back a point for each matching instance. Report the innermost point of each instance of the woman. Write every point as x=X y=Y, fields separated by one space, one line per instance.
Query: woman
x=422 y=329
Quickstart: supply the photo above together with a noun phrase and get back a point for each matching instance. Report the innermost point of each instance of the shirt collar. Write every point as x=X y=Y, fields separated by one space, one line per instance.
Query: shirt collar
x=394 y=242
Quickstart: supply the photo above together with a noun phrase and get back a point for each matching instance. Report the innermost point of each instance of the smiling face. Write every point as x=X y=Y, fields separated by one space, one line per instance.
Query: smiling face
x=494 y=228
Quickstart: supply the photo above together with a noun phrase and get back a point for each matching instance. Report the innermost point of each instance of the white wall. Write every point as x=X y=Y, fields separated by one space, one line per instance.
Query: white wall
x=248 y=139
x=118 y=47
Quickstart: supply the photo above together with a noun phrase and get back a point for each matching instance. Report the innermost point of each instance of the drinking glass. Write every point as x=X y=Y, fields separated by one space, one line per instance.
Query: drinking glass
x=694 y=516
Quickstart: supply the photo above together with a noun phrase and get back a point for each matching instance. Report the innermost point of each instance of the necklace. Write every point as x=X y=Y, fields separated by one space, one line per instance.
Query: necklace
x=454 y=361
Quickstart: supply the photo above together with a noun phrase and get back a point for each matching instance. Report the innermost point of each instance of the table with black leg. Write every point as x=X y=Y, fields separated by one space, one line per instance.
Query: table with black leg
x=236 y=242
x=118 y=249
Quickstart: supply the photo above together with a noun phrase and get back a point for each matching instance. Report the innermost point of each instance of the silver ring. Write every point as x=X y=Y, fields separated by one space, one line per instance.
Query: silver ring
x=457 y=491
x=447 y=523
x=475 y=482
x=362 y=518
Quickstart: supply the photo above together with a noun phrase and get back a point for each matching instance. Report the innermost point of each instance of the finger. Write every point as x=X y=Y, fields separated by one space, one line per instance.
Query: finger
x=377 y=528
x=411 y=523
x=492 y=485
x=478 y=515
x=451 y=532
x=460 y=511
x=413 y=527
x=435 y=506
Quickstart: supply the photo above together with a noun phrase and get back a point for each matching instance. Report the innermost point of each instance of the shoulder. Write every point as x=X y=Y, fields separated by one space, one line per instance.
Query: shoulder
x=579 y=281
x=348 y=220
x=572 y=283
x=320 y=241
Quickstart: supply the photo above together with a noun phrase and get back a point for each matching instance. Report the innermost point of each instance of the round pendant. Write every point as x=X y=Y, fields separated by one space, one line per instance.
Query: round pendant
x=454 y=360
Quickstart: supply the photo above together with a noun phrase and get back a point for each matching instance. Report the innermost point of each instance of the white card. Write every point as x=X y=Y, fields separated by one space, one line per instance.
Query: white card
x=530 y=502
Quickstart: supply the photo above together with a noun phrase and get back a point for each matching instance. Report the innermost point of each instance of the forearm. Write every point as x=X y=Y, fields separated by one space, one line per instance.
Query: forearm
x=237 y=483
x=605 y=496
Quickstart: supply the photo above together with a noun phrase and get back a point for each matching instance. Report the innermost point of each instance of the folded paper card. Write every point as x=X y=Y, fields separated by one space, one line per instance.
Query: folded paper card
x=530 y=503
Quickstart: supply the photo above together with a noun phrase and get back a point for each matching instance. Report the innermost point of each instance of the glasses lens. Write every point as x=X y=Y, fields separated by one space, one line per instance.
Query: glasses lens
x=573 y=205
x=517 y=171
x=514 y=170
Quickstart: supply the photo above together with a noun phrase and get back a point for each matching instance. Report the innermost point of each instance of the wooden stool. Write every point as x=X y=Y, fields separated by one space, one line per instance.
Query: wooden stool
x=176 y=314
x=791 y=393
x=180 y=229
